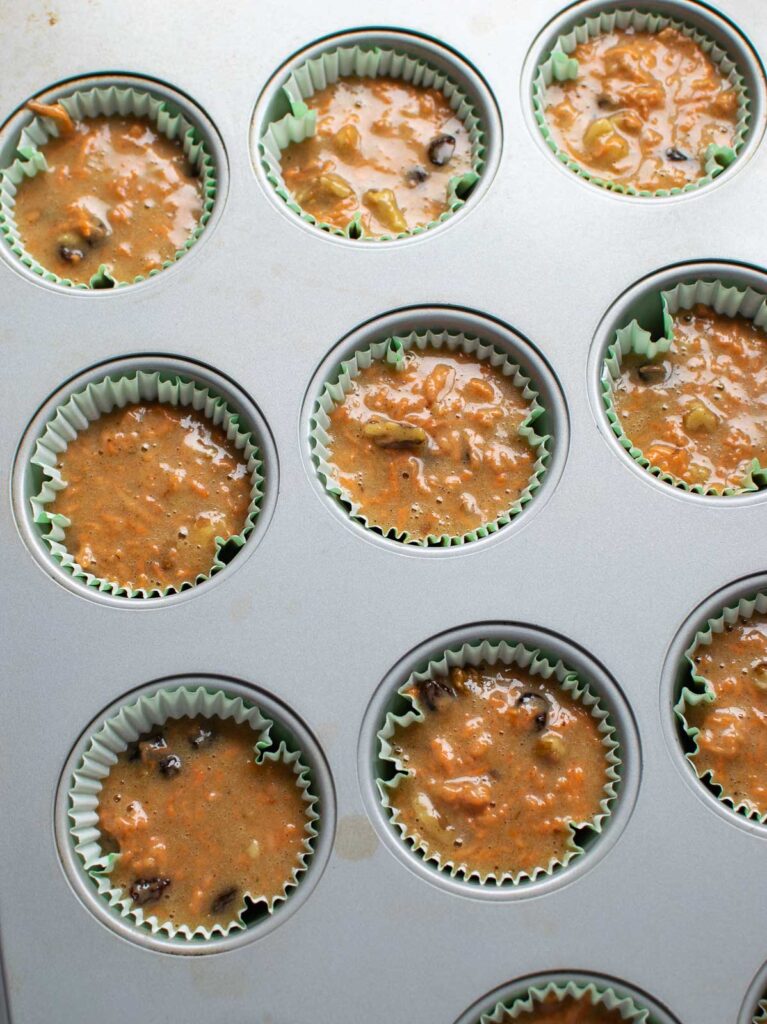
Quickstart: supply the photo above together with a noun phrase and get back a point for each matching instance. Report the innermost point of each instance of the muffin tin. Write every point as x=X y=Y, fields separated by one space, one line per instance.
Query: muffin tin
x=318 y=620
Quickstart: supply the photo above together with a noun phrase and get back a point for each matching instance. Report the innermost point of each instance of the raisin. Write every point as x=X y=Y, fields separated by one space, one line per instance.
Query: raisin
x=676 y=154
x=148 y=890
x=430 y=689
x=201 y=738
x=222 y=900
x=532 y=700
x=170 y=765
x=71 y=253
x=652 y=373
x=441 y=149
x=416 y=175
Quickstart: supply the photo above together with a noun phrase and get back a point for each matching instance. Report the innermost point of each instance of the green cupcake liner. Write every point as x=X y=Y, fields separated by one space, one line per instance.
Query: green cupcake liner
x=701 y=692
x=114 y=736
x=364 y=62
x=475 y=654
x=597 y=995
x=634 y=339
x=761 y=1012
x=560 y=67
x=85 y=407
x=393 y=351
x=80 y=105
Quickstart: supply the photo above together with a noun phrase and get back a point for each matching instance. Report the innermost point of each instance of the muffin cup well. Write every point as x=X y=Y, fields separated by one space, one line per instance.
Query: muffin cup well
x=364 y=62
x=85 y=407
x=112 y=101
x=634 y=339
x=135 y=720
x=559 y=66
x=700 y=692
x=596 y=995
x=475 y=654
x=393 y=350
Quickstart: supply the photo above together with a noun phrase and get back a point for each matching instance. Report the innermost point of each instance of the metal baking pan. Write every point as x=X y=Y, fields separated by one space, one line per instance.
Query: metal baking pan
x=607 y=566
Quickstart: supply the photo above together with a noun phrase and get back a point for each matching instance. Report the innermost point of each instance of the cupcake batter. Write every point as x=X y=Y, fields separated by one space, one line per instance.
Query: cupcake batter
x=502 y=767
x=198 y=823
x=699 y=412
x=116 y=193
x=149 y=489
x=432 y=447
x=732 y=742
x=643 y=109
x=384 y=148
x=570 y=1011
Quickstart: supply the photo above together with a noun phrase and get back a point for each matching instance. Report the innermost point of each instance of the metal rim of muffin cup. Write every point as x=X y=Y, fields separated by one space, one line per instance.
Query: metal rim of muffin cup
x=25 y=478
x=273 y=104
x=677 y=674
x=704 y=20
x=642 y=301
x=554 y=422
x=632 y=1003
x=754 y=1008
x=555 y=648
x=286 y=726
x=176 y=101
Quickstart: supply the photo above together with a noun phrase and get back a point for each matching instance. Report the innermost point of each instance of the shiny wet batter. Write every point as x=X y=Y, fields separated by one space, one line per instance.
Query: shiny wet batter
x=149 y=488
x=643 y=109
x=502 y=766
x=431 y=448
x=699 y=412
x=732 y=742
x=116 y=193
x=383 y=148
x=570 y=1011
x=198 y=823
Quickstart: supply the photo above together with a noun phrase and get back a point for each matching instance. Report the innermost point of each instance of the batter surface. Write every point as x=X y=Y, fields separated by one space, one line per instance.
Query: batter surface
x=432 y=447
x=699 y=412
x=732 y=742
x=198 y=823
x=570 y=1011
x=116 y=192
x=643 y=109
x=149 y=488
x=384 y=148
x=503 y=764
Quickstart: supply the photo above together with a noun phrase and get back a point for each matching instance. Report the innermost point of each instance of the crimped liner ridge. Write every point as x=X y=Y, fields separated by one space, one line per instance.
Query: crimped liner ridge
x=364 y=62
x=599 y=995
x=125 y=727
x=702 y=693
x=84 y=408
x=559 y=66
x=393 y=351
x=81 y=105
x=634 y=339
x=487 y=652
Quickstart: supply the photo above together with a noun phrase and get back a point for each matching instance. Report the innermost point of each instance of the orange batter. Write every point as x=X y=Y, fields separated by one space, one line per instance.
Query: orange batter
x=699 y=412
x=503 y=765
x=116 y=193
x=149 y=489
x=432 y=447
x=383 y=148
x=643 y=109
x=570 y=1011
x=732 y=742
x=198 y=823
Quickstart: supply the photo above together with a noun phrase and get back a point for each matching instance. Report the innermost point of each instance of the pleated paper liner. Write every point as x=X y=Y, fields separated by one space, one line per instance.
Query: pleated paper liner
x=634 y=339
x=593 y=994
x=138 y=719
x=84 y=408
x=476 y=654
x=559 y=66
x=760 y=1017
x=393 y=351
x=110 y=101
x=698 y=691
x=364 y=62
